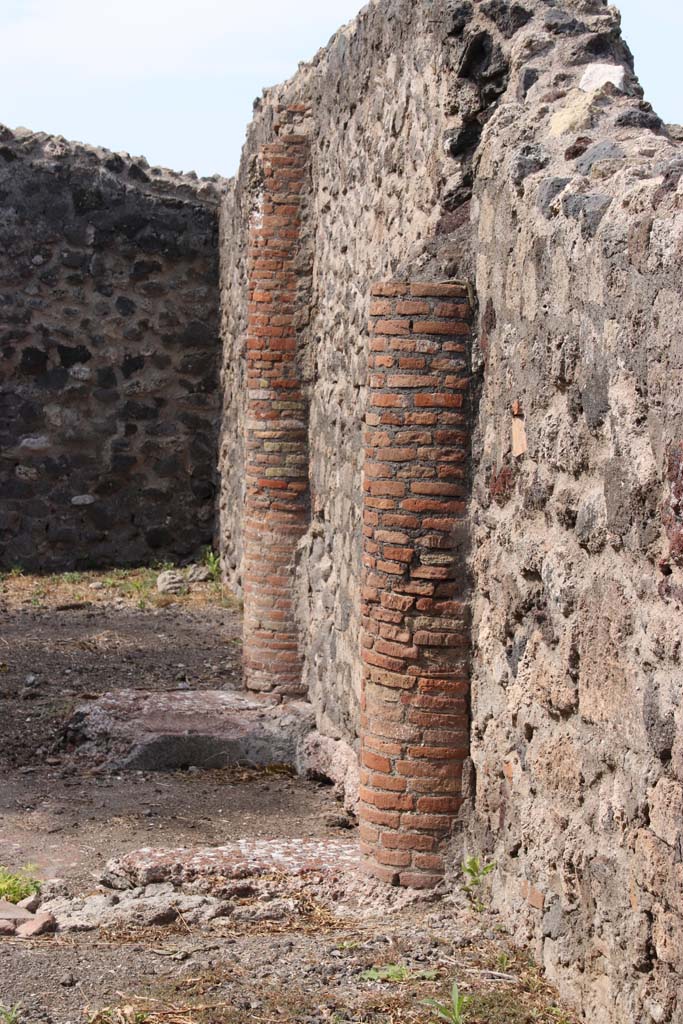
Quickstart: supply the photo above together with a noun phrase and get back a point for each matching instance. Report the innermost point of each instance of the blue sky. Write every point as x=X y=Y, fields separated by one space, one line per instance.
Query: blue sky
x=175 y=79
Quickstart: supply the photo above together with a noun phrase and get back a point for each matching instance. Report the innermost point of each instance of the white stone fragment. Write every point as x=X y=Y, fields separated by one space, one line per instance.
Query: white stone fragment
x=80 y=372
x=171 y=582
x=597 y=75
x=83 y=499
x=35 y=444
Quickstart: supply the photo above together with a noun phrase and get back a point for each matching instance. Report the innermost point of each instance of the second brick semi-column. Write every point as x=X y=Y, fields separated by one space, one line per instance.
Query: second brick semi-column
x=277 y=495
x=415 y=637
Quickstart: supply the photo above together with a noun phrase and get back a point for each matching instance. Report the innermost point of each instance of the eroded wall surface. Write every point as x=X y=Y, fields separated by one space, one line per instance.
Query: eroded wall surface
x=577 y=733
x=510 y=144
x=109 y=359
x=379 y=117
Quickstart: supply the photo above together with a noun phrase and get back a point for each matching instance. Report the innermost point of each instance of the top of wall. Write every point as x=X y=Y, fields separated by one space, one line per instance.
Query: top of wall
x=557 y=68
x=43 y=149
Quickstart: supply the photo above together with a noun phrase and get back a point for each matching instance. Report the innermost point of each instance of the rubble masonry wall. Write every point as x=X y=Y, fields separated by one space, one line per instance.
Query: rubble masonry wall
x=109 y=357
x=509 y=145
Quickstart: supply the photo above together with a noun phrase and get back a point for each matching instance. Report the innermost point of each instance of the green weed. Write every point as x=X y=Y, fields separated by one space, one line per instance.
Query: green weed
x=10 y=1014
x=17 y=886
x=125 y=1015
x=454 y=1012
x=212 y=561
x=474 y=873
x=397 y=973
x=558 y=1015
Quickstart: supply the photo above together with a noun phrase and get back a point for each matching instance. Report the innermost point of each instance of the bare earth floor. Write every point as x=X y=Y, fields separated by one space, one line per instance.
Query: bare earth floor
x=280 y=947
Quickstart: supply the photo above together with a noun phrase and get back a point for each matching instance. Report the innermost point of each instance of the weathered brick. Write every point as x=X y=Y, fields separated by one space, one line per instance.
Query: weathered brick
x=408 y=841
x=386 y=801
x=390 y=819
x=273 y=525
x=420 y=879
x=410 y=307
x=415 y=699
x=391 y=289
x=374 y=761
x=392 y=327
x=446 y=290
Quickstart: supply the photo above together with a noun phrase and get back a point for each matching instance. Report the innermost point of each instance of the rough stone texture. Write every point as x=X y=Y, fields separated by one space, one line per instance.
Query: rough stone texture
x=366 y=214
x=14 y=913
x=509 y=143
x=250 y=880
x=150 y=906
x=577 y=716
x=321 y=757
x=109 y=357
x=205 y=728
x=245 y=858
x=42 y=924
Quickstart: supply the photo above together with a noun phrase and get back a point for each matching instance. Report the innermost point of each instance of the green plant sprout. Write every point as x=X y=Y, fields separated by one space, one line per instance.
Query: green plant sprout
x=454 y=1012
x=17 y=886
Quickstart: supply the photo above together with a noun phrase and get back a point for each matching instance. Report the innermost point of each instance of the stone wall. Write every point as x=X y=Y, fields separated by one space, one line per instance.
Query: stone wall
x=509 y=144
x=577 y=718
x=109 y=362
x=379 y=169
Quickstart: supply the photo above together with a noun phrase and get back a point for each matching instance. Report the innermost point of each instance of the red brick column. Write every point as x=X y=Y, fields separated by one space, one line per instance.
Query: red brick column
x=415 y=638
x=277 y=496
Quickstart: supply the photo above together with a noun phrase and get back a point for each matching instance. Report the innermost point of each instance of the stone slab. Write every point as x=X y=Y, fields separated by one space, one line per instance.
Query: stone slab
x=598 y=75
x=208 y=729
x=326 y=758
x=41 y=924
x=245 y=858
x=11 y=912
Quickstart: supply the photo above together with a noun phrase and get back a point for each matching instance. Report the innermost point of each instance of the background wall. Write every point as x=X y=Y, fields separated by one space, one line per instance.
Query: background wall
x=109 y=358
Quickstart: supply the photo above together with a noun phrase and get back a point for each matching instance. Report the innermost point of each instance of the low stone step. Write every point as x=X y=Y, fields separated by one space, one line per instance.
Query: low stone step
x=152 y=731
x=245 y=858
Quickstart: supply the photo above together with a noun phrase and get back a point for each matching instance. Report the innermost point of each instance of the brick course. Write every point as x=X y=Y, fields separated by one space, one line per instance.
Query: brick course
x=276 y=443
x=415 y=638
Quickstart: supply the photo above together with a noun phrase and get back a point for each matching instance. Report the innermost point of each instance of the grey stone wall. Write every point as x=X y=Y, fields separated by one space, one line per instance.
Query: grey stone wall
x=380 y=115
x=577 y=717
x=109 y=399
x=510 y=143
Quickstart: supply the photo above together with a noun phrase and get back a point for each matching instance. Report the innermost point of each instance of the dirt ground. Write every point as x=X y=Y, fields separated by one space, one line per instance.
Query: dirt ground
x=62 y=642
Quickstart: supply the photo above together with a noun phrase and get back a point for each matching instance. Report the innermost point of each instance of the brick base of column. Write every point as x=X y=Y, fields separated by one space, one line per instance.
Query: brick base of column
x=277 y=494
x=415 y=636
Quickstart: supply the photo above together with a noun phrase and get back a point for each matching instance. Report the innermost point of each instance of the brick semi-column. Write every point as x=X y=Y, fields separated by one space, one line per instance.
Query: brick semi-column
x=415 y=640
x=276 y=511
